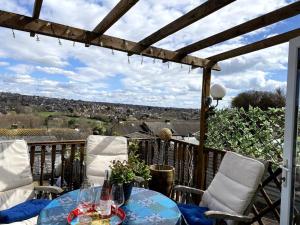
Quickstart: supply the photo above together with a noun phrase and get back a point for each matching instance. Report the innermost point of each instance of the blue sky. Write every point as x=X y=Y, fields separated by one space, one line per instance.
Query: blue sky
x=75 y=72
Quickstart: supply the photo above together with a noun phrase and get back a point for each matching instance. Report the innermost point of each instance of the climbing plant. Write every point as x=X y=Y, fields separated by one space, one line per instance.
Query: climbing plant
x=255 y=132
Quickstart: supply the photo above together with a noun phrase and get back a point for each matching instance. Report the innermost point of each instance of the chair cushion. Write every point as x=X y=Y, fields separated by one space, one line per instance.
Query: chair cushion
x=194 y=215
x=235 y=184
x=23 y=211
x=14 y=165
x=16 y=196
x=101 y=150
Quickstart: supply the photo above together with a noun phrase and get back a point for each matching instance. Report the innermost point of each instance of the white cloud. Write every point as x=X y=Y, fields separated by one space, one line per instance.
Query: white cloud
x=149 y=83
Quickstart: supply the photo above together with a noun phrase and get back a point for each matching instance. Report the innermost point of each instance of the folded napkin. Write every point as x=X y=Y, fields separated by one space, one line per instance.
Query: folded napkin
x=23 y=211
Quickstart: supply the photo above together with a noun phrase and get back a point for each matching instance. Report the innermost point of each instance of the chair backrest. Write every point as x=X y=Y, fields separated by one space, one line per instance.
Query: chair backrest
x=235 y=184
x=101 y=151
x=16 y=184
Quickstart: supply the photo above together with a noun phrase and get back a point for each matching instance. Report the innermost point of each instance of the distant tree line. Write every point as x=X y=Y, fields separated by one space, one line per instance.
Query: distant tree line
x=261 y=99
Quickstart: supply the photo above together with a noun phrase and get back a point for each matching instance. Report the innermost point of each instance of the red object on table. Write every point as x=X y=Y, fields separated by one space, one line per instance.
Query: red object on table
x=76 y=212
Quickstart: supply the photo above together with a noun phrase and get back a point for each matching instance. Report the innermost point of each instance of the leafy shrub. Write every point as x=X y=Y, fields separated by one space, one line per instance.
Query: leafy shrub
x=255 y=132
x=261 y=99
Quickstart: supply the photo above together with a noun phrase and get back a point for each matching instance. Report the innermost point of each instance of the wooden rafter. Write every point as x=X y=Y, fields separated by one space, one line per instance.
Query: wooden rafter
x=192 y=16
x=266 y=43
x=114 y=15
x=25 y=23
x=36 y=11
x=251 y=25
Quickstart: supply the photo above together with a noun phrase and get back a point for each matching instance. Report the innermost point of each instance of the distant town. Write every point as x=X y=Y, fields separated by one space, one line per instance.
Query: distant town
x=24 y=115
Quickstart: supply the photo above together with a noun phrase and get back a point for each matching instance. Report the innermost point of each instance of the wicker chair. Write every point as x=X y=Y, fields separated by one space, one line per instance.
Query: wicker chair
x=230 y=196
x=16 y=182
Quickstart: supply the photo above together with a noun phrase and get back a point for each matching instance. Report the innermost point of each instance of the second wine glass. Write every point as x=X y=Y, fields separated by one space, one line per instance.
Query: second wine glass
x=117 y=196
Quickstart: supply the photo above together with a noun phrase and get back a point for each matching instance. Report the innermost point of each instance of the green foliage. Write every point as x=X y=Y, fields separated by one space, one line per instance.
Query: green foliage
x=255 y=132
x=99 y=129
x=138 y=166
x=261 y=99
x=121 y=172
x=126 y=171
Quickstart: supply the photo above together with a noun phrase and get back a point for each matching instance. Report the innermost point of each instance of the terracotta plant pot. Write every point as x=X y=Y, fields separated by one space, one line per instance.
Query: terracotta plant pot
x=162 y=179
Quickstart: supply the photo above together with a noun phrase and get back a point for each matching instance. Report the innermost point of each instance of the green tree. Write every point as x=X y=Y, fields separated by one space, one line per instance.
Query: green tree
x=261 y=99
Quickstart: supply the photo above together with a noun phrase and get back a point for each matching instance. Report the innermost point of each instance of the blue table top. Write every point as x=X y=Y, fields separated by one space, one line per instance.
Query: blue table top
x=144 y=207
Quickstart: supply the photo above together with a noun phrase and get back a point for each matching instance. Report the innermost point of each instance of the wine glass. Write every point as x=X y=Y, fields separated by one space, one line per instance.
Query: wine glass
x=117 y=195
x=84 y=202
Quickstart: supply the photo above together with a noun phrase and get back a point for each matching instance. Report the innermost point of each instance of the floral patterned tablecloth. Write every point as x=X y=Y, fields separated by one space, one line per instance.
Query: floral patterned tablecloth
x=144 y=207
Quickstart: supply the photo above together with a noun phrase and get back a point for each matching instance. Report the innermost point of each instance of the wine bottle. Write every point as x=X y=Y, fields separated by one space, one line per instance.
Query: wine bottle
x=105 y=198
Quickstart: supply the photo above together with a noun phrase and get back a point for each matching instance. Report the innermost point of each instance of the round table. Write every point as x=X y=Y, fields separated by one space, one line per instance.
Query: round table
x=144 y=207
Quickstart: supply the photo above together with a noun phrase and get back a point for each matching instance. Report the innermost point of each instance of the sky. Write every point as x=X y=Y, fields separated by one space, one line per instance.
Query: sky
x=46 y=68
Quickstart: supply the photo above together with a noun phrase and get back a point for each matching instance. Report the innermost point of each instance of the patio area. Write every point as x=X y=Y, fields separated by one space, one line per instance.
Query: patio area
x=195 y=166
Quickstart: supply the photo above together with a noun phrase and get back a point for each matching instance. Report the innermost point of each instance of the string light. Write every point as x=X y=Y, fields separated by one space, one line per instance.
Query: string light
x=13 y=33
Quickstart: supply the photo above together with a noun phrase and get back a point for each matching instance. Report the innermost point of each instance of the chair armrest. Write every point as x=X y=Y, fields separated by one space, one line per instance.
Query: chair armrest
x=50 y=189
x=188 y=189
x=227 y=216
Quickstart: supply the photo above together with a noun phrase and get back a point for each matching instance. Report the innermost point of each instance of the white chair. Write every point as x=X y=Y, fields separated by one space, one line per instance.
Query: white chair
x=16 y=183
x=231 y=193
x=101 y=151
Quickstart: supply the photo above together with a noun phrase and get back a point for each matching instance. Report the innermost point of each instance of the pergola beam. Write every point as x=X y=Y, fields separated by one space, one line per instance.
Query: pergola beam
x=249 y=26
x=266 y=43
x=114 y=15
x=28 y=24
x=36 y=11
x=192 y=16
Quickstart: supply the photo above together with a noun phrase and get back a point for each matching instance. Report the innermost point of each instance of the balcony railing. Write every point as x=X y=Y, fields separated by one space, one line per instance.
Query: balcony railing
x=64 y=159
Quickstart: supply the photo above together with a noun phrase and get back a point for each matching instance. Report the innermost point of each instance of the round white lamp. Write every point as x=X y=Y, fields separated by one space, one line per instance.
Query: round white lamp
x=217 y=92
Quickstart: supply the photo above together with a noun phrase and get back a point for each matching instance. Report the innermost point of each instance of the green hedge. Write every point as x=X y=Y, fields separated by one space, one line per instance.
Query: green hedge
x=254 y=133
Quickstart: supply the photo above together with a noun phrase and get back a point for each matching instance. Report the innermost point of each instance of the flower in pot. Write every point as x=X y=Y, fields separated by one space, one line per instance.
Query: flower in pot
x=128 y=172
x=122 y=173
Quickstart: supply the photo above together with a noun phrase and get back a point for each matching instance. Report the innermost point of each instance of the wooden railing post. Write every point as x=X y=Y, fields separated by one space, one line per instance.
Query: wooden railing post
x=203 y=128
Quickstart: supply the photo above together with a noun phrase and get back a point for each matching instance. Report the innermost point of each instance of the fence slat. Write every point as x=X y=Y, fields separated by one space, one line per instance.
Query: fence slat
x=43 y=152
x=71 y=163
x=63 y=163
x=53 y=158
x=32 y=156
x=81 y=161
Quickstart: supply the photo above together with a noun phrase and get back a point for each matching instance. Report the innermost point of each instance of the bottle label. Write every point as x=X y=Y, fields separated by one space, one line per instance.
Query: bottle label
x=105 y=207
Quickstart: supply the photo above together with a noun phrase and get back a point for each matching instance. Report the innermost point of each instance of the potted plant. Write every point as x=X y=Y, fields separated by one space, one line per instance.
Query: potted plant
x=122 y=173
x=128 y=172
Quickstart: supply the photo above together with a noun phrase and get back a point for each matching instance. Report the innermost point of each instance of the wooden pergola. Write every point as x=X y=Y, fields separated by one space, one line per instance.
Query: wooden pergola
x=97 y=37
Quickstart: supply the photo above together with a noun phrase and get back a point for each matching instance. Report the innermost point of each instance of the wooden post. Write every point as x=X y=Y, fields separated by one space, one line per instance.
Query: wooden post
x=204 y=108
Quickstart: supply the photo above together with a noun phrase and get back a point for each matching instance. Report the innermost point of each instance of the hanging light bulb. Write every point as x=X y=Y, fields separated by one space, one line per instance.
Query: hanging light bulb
x=142 y=59
x=13 y=33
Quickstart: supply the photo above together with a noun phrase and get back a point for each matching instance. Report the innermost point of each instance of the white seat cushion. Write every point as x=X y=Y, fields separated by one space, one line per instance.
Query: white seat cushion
x=235 y=184
x=14 y=165
x=16 y=196
x=101 y=151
